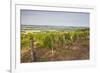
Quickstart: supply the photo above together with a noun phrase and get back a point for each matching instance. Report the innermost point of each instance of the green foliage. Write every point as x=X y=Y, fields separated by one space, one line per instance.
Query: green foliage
x=48 y=42
x=53 y=39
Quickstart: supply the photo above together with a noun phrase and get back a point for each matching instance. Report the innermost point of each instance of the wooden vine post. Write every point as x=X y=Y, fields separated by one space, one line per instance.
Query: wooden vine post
x=33 y=50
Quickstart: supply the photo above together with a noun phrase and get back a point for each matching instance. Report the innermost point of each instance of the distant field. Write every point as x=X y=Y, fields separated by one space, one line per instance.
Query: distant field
x=53 y=43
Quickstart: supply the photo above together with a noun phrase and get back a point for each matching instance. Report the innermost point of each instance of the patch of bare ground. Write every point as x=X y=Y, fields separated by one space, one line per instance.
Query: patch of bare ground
x=74 y=52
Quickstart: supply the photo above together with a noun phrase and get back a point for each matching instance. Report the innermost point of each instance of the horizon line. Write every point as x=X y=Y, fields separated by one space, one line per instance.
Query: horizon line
x=54 y=25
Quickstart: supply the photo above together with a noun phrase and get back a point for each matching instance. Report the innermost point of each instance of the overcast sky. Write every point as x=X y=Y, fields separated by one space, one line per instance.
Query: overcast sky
x=34 y=17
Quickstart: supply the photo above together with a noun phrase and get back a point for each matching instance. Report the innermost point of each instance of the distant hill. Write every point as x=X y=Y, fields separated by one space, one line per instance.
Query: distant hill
x=46 y=27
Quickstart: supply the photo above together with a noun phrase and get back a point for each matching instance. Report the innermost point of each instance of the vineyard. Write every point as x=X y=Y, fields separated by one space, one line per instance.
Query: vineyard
x=55 y=45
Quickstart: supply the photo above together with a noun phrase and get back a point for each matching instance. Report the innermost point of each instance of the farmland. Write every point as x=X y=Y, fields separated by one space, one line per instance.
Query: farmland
x=54 y=43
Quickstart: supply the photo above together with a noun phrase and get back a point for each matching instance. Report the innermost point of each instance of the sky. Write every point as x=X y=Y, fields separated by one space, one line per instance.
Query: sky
x=54 y=18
